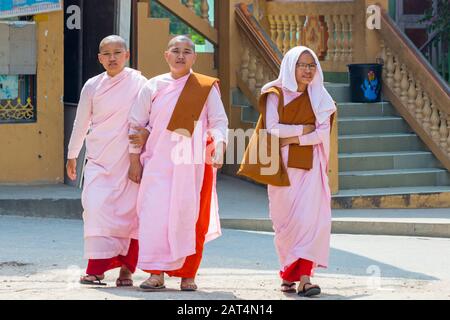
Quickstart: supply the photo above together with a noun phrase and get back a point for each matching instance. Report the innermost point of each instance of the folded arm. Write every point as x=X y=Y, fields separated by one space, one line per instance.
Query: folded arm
x=273 y=125
x=318 y=136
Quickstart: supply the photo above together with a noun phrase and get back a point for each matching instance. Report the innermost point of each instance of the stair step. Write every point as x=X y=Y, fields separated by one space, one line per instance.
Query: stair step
x=367 y=125
x=351 y=109
x=394 y=178
x=380 y=143
x=239 y=98
x=370 y=192
x=340 y=92
x=249 y=114
x=387 y=160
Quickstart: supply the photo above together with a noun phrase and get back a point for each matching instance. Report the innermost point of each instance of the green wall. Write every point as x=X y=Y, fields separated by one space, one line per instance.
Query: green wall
x=336 y=77
x=392 y=8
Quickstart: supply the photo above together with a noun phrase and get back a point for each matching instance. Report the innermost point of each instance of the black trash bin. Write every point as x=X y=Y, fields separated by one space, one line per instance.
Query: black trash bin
x=365 y=82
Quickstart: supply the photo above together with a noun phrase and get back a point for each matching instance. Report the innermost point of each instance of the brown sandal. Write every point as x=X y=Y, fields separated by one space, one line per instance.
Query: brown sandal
x=288 y=287
x=311 y=291
x=153 y=283
x=96 y=282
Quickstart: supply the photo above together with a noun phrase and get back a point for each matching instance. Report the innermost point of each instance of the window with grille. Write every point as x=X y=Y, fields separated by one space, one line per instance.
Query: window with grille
x=17 y=70
x=17 y=98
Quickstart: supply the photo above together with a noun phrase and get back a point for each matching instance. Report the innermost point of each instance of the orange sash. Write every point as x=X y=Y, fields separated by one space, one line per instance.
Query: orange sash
x=190 y=103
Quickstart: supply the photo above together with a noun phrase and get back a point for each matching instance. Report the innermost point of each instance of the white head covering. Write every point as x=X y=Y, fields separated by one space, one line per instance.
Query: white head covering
x=321 y=101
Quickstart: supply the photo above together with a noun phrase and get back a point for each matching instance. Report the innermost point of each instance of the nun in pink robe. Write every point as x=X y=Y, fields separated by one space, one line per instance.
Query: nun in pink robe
x=301 y=212
x=169 y=196
x=108 y=197
x=173 y=172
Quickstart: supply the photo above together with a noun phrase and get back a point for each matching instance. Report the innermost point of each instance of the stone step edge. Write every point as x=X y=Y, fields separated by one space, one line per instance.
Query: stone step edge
x=368 y=227
x=413 y=200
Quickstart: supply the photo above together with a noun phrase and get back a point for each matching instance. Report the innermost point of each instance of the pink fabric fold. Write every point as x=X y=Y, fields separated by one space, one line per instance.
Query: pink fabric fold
x=108 y=197
x=169 y=196
x=301 y=213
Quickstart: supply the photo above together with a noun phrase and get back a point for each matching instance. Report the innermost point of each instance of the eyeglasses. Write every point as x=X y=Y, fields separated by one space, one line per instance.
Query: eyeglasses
x=304 y=66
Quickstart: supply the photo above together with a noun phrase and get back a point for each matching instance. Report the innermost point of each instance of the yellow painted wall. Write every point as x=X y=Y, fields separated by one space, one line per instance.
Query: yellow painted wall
x=33 y=153
x=372 y=38
x=153 y=36
x=230 y=54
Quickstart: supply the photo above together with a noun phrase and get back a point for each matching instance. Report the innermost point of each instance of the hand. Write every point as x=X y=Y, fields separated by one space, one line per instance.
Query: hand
x=217 y=159
x=71 y=168
x=139 y=139
x=135 y=170
x=287 y=141
x=308 y=128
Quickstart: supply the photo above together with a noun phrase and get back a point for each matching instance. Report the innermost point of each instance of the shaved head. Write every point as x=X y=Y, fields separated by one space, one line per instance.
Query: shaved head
x=113 y=39
x=178 y=39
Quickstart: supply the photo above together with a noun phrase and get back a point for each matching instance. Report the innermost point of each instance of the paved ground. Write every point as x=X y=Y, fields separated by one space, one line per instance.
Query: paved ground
x=41 y=258
x=242 y=199
x=243 y=205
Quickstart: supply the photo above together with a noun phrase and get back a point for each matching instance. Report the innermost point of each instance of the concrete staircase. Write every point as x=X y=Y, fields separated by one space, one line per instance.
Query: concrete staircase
x=379 y=156
x=249 y=115
x=378 y=149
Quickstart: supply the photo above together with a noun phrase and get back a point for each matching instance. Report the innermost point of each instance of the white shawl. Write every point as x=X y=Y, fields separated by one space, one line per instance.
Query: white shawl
x=321 y=101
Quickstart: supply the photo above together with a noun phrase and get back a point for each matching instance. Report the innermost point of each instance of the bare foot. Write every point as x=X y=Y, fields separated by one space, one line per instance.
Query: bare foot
x=125 y=278
x=188 y=284
x=288 y=287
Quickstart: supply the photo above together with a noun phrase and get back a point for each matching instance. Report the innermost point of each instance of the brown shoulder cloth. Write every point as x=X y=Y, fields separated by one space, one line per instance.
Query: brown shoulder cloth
x=190 y=103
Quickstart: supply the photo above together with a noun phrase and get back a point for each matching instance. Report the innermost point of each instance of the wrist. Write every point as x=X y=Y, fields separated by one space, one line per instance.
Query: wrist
x=135 y=157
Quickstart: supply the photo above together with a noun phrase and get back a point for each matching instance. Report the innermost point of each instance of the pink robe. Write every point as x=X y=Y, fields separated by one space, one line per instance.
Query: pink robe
x=108 y=197
x=169 y=195
x=301 y=213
